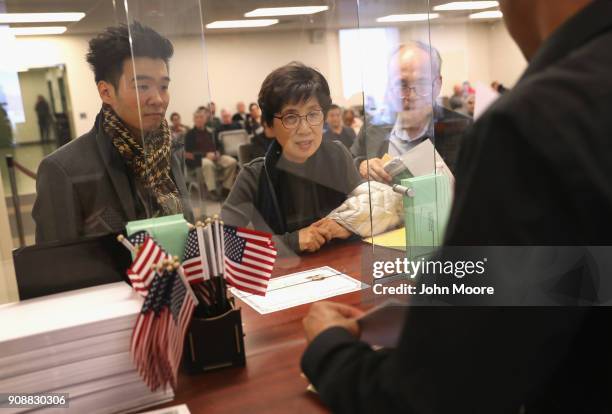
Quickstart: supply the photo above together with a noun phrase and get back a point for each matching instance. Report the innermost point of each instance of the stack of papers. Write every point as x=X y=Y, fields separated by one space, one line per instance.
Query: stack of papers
x=77 y=343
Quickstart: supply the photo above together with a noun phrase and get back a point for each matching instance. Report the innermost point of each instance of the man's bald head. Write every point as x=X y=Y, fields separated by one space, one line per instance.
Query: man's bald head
x=414 y=76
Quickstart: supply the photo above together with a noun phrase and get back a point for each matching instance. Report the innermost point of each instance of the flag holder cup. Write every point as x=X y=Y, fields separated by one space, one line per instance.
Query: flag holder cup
x=214 y=342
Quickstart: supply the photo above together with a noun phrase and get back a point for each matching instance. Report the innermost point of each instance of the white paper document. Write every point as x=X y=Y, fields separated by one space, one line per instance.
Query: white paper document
x=300 y=288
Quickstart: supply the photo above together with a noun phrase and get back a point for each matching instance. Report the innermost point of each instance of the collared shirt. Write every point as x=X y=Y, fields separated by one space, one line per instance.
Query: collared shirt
x=400 y=140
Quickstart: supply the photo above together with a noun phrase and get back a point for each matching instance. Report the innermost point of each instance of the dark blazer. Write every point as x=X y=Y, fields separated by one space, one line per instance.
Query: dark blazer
x=535 y=169
x=449 y=126
x=84 y=189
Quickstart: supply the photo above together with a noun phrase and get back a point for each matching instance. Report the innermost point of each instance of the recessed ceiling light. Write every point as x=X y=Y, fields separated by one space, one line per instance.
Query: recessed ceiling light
x=234 y=24
x=37 y=31
x=416 y=17
x=466 y=5
x=40 y=17
x=492 y=14
x=285 y=11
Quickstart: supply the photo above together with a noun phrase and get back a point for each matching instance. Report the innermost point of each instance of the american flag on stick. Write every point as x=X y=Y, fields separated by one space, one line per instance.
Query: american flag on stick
x=249 y=259
x=195 y=257
x=159 y=333
x=148 y=255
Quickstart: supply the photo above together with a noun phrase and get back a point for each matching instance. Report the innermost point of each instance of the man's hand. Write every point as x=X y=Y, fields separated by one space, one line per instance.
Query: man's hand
x=211 y=156
x=324 y=315
x=189 y=156
x=335 y=229
x=373 y=168
x=311 y=238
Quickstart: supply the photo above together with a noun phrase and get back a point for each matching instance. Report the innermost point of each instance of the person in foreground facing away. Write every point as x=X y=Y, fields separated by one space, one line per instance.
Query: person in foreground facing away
x=123 y=169
x=535 y=170
x=302 y=178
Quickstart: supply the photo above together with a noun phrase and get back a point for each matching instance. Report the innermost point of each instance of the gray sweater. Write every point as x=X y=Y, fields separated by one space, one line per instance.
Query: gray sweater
x=304 y=193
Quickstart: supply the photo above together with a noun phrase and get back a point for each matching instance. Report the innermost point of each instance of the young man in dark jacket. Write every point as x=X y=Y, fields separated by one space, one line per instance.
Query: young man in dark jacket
x=123 y=169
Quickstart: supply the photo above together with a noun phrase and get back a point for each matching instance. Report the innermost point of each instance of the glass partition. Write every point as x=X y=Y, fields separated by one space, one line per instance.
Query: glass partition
x=296 y=119
x=435 y=79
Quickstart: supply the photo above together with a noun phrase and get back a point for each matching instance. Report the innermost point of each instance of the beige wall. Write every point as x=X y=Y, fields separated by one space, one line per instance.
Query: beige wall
x=507 y=61
x=238 y=64
x=231 y=67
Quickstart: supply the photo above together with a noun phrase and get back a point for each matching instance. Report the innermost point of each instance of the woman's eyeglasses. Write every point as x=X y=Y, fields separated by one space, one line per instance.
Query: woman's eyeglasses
x=292 y=121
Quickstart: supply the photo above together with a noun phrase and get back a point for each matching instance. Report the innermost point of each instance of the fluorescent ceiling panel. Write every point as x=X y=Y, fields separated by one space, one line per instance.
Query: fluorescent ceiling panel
x=417 y=17
x=466 y=5
x=235 y=24
x=492 y=14
x=37 y=31
x=40 y=17
x=285 y=11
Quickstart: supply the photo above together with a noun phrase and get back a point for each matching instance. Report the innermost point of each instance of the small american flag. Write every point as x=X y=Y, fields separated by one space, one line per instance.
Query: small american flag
x=181 y=309
x=249 y=259
x=159 y=333
x=142 y=270
x=193 y=260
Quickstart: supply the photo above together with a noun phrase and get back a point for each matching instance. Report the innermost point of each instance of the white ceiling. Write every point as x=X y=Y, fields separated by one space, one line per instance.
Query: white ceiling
x=182 y=17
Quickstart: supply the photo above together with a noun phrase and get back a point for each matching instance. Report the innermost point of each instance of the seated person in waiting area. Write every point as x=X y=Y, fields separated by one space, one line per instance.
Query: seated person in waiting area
x=302 y=178
x=336 y=129
x=202 y=150
x=227 y=124
x=124 y=168
x=241 y=116
x=253 y=122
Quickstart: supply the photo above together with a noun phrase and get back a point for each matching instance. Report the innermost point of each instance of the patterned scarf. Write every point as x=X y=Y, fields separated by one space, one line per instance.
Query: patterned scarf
x=151 y=167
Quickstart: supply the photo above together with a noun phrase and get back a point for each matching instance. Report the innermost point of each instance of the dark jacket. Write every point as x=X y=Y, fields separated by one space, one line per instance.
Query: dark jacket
x=260 y=194
x=535 y=169
x=449 y=126
x=85 y=189
x=192 y=146
x=346 y=136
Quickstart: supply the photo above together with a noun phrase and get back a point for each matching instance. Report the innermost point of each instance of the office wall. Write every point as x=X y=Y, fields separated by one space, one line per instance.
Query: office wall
x=235 y=64
x=238 y=64
x=507 y=61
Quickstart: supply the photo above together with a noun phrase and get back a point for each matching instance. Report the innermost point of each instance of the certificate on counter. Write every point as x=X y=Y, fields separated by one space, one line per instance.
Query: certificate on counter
x=300 y=288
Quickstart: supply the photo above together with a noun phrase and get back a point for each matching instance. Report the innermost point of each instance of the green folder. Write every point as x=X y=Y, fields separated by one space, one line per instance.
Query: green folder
x=426 y=213
x=168 y=231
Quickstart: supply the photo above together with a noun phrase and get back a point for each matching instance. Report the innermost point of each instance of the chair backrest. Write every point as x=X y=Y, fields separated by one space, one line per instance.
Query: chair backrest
x=244 y=154
x=232 y=140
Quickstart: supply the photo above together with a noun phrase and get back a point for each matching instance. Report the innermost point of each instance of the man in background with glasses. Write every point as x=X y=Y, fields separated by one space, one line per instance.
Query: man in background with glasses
x=413 y=87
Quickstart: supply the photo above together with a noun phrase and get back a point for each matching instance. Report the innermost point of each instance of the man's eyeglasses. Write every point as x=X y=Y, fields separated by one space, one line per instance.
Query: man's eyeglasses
x=421 y=89
x=292 y=121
